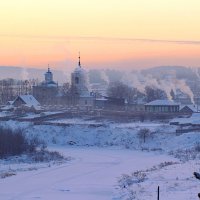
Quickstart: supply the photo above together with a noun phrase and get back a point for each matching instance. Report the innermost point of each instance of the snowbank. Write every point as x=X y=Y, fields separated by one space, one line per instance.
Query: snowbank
x=162 y=137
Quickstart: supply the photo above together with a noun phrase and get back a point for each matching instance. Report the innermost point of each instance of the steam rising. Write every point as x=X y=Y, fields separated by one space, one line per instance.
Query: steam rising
x=104 y=77
x=196 y=71
x=24 y=74
x=140 y=81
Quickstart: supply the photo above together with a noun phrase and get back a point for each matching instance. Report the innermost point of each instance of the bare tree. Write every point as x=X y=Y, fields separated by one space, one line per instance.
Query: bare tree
x=143 y=134
x=121 y=90
x=154 y=93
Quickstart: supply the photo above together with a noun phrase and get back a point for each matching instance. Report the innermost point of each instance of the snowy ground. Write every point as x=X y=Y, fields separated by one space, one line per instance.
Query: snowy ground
x=92 y=175
x=101 y=156
x=176 y=181
x=76 y=121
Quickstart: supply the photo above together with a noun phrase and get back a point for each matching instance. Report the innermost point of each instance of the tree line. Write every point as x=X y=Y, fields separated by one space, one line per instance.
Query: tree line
x=131 y=94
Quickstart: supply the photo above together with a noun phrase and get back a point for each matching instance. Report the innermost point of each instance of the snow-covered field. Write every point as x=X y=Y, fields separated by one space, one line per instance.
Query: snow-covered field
x=105 y=157
x=92 y=175
x=77 y=121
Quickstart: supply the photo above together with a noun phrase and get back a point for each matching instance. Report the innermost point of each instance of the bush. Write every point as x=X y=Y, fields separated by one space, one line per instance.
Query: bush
x=46 y=156
x=197 y=147
x=186 y=154
x=7 y=174
x=14 y=142
x=127 y=180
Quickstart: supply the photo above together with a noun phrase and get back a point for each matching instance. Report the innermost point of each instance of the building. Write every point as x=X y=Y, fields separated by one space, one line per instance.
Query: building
x=79 y=82
x=47 y=91
x=26 y=103
x=8 y=107
x=187 y=124
x=28 y=100
x=110 y=103
x=162 y=106
x=188 y=109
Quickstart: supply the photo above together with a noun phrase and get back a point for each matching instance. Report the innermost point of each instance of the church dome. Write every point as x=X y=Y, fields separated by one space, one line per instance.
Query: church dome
x=48 y=82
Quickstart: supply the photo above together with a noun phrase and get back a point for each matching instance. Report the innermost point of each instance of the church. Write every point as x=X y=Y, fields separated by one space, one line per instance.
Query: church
x=49 y=93
x=47 y=90
x=80 y=83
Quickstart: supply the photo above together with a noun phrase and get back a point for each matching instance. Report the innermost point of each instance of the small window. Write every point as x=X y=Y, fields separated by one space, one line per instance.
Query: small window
x=86 y=102
x=76 y=80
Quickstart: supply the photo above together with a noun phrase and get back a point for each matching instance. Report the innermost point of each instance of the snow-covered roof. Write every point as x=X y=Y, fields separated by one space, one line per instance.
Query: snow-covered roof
x=9 y=102
x=48 y=84
x=191 y=107
x=7 y=107
x=29 y=100
x=162 y=103
x=101 y=99
x=85 y=95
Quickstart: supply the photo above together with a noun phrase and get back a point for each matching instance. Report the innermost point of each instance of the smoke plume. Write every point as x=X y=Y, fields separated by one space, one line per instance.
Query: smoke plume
x=24 y=74
x=141 y=81
x=104 y=77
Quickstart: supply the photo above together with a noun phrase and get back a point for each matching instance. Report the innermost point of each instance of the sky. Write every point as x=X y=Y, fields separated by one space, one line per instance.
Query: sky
x=128 y=34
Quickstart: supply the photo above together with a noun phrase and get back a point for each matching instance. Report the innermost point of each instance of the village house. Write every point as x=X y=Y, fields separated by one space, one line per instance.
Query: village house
x=188 y=109
x=25 y=103
x=110 y=103
x=162 y=106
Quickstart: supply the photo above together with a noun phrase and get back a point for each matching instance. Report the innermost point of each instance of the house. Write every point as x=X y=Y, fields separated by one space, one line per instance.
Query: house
x=110 y=103
x=188 y=109
x=9 y=103
x=187 y=124
x=26 y=103
x=136 y=105
x=86 y=102
x=100 y=102
x=8 y=107
x=162 y=106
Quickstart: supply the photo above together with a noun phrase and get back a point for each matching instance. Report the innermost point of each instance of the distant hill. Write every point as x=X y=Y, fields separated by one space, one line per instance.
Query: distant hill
x=180 y=72
x=29 y=73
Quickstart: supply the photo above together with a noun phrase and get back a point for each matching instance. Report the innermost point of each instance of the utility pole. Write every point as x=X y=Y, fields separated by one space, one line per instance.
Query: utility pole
x=158 y=193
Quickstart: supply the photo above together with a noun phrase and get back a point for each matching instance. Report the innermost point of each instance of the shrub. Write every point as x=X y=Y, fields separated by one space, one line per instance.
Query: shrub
x=197 y=147
x=14 y=142
x=136 y=177
x=46 y=156
x=139 y=176
x=7 y=174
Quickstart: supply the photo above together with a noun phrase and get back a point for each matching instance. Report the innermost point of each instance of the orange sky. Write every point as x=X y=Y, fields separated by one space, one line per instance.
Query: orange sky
x=34 y=33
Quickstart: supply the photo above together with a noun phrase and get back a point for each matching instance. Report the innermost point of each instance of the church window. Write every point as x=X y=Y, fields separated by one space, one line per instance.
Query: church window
x=76 y=80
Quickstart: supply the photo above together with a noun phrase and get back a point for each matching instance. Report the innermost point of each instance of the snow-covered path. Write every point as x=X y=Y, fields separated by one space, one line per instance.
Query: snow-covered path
x=91 y=176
